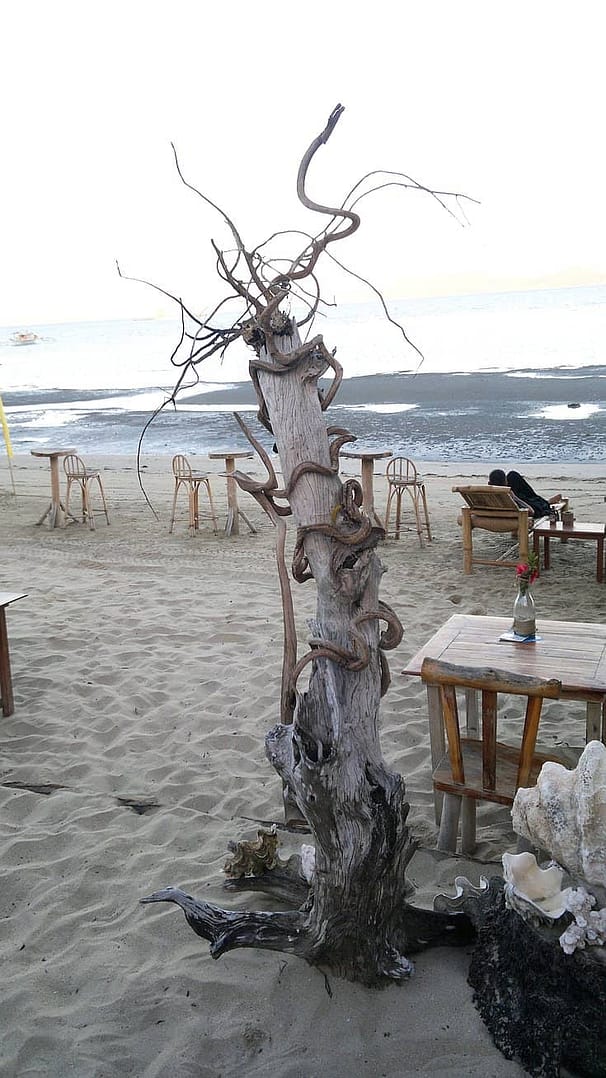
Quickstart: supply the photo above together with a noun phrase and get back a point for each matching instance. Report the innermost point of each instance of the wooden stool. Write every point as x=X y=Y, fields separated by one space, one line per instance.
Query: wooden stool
x=77 y=472
x=402 y=476
x=192 y=482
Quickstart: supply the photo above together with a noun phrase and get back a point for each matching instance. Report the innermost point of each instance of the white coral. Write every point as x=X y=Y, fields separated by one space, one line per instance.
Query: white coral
x=573 y=937
x=588 y=927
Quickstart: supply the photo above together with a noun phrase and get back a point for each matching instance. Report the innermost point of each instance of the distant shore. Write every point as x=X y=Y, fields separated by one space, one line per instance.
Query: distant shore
x=576 y=384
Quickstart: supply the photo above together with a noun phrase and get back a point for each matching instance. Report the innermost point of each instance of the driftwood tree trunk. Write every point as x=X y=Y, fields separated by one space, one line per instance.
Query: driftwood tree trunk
x=331 y=757
x=353 y=916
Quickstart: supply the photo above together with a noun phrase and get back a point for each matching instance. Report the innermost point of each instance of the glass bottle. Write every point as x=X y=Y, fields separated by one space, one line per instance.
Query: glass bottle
x=524 y=623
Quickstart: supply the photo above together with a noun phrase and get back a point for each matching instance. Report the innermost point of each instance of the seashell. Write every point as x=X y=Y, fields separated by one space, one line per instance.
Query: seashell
x=464 y=890
x=535 y=893
x=565 y=814
x=253 y=857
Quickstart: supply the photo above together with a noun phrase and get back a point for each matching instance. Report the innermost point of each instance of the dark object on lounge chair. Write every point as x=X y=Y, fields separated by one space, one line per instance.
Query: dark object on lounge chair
x=521 y=489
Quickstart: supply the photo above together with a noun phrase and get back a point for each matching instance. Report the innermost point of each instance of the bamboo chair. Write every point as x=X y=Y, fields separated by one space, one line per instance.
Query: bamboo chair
x=403 y=477
x=191 y=481
x=479 y=768
x=492 y=509
x=77 y=472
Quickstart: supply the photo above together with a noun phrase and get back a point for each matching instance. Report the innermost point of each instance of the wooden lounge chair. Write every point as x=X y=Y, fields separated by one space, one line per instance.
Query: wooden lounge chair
x=492 y=509
x=479 y=768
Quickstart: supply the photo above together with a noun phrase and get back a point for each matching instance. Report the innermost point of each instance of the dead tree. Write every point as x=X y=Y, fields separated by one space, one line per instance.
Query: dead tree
x=351 y=910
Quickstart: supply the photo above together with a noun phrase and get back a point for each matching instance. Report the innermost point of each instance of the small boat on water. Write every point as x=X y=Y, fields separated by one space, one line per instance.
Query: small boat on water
x=26 y=337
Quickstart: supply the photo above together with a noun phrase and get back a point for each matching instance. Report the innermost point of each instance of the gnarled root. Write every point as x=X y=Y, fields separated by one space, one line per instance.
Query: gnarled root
x=335 y=943
x=226 y=929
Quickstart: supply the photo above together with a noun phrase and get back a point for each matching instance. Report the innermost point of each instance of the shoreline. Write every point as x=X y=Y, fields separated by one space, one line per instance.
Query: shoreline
x=553 y=417
x=158 y=465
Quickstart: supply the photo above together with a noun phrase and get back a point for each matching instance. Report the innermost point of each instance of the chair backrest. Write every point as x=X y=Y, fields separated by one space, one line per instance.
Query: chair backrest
x=448 y=677
x=402 y=469
x=495 y=499
x=73 y=466
x=181 y=467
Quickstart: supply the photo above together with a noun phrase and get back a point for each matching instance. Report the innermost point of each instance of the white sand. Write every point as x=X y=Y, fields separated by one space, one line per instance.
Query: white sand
x=147 y=666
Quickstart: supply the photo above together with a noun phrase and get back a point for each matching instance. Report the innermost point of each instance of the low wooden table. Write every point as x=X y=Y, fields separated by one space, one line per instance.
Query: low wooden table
x=56 y=509
x=546 y=531
x=6 y=684
x=368 y=457
x=230 y=456
x=574 y=652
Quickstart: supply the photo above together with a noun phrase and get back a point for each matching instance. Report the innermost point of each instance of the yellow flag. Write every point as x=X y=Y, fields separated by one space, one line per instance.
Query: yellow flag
x=5 y=431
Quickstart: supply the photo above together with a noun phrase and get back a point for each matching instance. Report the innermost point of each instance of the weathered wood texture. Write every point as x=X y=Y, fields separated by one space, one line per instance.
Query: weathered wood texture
x=331 y=758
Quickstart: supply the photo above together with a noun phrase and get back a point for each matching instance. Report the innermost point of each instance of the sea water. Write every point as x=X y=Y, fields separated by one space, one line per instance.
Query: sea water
x=507 y=376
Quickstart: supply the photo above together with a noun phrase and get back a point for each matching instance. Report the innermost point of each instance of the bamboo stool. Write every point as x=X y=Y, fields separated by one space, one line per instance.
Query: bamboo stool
x=402 y=476
x=192 y=481
x=77 y=472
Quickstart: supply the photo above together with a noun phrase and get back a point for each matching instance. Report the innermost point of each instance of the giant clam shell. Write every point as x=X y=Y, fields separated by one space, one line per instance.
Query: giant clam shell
x=535 y=893
x=565 y=814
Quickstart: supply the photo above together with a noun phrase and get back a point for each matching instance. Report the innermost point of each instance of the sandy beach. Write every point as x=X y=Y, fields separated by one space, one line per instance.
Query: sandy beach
x=146 y=669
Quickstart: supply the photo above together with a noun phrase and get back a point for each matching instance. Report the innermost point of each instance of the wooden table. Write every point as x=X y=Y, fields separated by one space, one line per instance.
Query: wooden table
x=572 y=651
x=368 y=457
x=546 y=531
x=56 y=509
x=6 y=684
x=230 y=456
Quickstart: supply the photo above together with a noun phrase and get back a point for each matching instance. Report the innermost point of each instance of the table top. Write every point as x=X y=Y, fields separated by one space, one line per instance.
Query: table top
x=7 y=597
x=579 y=529
x=51 y=452
x=367 y=454
x=572 y=651
x=223 y=454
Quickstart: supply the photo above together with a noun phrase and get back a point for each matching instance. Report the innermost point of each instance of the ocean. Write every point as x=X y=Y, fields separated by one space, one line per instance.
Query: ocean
x=512 y=376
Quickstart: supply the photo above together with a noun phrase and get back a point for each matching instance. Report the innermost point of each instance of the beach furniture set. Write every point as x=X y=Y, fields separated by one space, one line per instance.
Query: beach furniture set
x=77 y=473
x=403 y=478
x=190 y=481
x=475 y=766
x=493 y=509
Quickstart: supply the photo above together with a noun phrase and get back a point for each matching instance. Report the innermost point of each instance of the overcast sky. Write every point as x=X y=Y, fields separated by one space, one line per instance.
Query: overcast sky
x=504 y=102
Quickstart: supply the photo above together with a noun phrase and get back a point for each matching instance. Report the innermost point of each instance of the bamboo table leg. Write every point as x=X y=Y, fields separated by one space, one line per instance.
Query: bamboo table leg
x=437 y=741
x=368 y=493
x=56 y=510
x=232 y=523
x=593 y=723
x=232 y=526
x=6 y=685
